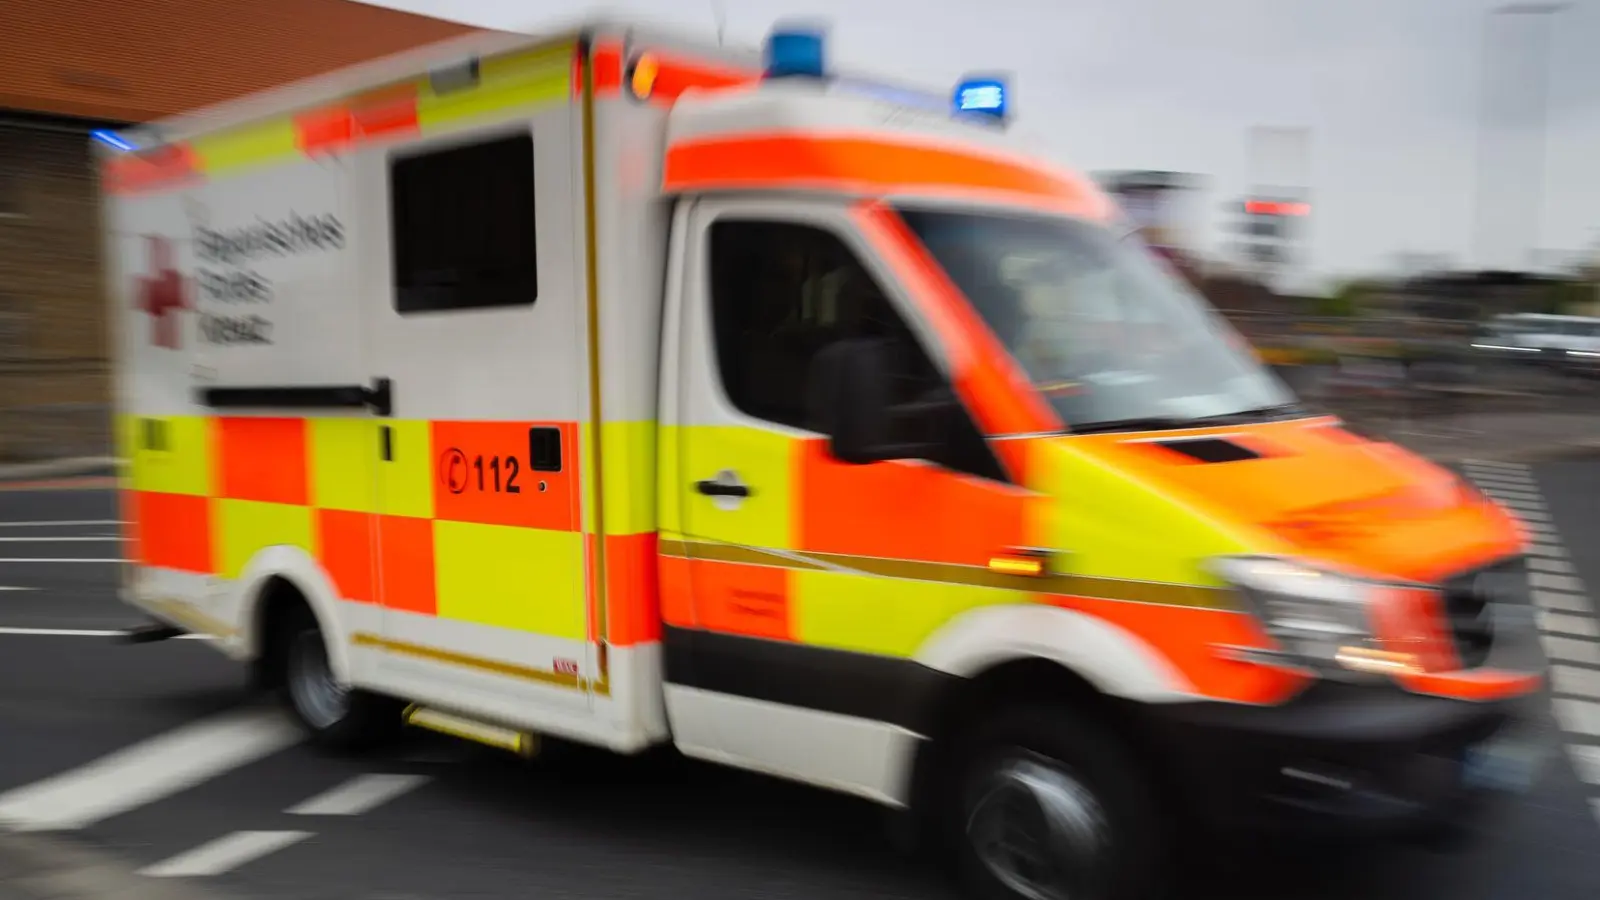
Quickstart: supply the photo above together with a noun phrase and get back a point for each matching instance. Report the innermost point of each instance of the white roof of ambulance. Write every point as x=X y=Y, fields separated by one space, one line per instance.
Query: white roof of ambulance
x=384 y=70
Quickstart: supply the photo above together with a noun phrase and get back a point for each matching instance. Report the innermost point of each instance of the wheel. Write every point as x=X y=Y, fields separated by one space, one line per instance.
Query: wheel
x=1050 y=806
x=337 y=716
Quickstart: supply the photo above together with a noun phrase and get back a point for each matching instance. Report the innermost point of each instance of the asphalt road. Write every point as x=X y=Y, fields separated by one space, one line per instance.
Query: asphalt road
x=440 y=820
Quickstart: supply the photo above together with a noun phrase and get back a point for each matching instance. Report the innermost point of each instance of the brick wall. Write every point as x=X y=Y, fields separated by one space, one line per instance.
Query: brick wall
x=54 y=374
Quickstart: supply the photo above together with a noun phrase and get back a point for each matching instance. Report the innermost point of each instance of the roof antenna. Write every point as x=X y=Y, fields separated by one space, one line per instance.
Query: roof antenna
x=720 y=15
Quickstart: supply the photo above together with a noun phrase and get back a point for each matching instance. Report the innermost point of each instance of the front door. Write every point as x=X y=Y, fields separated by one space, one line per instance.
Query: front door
x=810 y=582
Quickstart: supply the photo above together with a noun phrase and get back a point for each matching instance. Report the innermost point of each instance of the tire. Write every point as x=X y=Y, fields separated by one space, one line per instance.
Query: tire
x=336 y=716
x=1029 y=766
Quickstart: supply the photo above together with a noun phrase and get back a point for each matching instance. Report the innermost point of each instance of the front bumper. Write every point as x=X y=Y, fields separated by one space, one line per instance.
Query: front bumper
x=1354 y=760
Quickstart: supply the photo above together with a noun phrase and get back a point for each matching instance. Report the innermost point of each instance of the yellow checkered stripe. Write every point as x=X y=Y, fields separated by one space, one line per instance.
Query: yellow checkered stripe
x=209 y=494
x=517 y=83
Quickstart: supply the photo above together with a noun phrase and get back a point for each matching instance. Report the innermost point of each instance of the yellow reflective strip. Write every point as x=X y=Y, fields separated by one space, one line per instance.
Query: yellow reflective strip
x=343 y=453
x=247 y=146
x=669 y=482
x=246 y=527
x=405 y=482
x=630 y=473
x=765 y=461
x=1112 y=524
x=526 y=579
x=534 y=78
x=171 y=454
x=1072 y=585
x=830 y=609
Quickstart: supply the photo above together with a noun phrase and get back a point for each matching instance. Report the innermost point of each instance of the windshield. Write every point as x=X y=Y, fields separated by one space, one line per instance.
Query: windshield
x=1102 y=328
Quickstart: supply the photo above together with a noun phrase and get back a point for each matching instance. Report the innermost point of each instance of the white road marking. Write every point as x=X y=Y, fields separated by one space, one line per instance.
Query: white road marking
x=1575 y=681
x=1550 y=581
x=147 y=771
x=224 y=854
x=30 y=559
x=72 y=539
x=1586 y=759
x=62 y=523
x=1577 y=716
x=1518 y=499
x=1501 y=479
x=1561 y=623
x=1493 y=464
x=359 y=795
x=1560 y=602
x=1571 y=649
x=1555 y=586
x=85 y=632
x=9 y=587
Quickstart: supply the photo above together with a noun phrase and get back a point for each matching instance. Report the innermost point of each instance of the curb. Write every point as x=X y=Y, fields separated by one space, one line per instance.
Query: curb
x=34 y=867
x=60 y=468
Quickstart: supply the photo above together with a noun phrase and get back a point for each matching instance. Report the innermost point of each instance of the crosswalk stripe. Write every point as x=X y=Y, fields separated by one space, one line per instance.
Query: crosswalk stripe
x=224 y=854
x=1560 y=602
x=1552 y=582
x=358 y=795
x=1575 y=681
x=1562 y=623
x=1571 y=649
x=147 y=771
x=1577 y=716
x=1586 y=759
x=1560 y=566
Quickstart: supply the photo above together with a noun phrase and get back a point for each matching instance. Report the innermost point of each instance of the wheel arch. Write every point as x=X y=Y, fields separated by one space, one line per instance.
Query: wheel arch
x=1037 y=655
x=276 y=580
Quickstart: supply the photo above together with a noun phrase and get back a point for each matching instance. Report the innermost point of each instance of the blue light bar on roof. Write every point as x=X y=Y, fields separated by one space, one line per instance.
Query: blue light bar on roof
x=795 y=52
x=985 y=96
x=113 y=140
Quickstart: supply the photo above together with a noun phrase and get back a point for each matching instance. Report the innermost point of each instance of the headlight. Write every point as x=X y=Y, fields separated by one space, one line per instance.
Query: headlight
x=1321 y=620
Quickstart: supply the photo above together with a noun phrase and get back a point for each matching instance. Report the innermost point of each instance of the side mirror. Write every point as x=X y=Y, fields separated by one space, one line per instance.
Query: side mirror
x=850 y=400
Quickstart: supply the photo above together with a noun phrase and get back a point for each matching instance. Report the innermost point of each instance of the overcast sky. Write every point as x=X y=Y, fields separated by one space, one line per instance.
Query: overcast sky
x=1390 y=91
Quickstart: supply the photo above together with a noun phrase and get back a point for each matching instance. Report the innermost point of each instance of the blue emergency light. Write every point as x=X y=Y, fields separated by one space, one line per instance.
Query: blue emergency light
x=795 y=52
x=982 y=96
x=113 y=140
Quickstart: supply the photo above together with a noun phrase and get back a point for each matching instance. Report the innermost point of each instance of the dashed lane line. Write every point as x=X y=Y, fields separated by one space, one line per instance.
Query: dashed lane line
x=59 y=539
x=62 y=523
x=224 y=854
x=33 y=559
x=8 y=631
x=361 y=794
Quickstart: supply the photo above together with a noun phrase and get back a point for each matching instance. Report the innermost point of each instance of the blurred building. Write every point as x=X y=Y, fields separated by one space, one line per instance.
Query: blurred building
x=70 y=66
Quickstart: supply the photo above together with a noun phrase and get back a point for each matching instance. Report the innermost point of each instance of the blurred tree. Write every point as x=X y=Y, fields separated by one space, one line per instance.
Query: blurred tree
x=1350 y=300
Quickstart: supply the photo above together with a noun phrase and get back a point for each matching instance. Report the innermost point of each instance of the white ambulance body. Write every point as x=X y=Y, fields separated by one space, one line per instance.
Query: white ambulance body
x=479 y=389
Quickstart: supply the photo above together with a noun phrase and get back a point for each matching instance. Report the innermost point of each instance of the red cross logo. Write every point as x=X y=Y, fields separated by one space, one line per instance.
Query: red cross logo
x=162 y=294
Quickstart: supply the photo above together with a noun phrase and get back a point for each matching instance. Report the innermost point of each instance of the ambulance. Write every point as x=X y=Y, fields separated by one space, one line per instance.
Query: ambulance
x=618 y=388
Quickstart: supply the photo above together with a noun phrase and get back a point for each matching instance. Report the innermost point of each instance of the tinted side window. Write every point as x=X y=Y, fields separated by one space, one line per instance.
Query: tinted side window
x=781 y=292
x=463 y=226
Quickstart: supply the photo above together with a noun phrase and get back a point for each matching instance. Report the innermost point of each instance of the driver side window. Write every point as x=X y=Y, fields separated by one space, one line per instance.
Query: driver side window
x=781 y=292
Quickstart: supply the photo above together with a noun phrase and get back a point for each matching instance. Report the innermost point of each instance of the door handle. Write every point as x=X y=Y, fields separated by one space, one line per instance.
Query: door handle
x=722 y=487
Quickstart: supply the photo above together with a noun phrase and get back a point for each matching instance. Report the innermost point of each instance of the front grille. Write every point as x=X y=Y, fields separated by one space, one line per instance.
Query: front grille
x=1470 y=601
